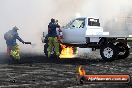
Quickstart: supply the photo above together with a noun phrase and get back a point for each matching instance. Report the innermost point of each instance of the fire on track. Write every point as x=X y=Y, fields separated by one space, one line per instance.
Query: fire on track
x=39 y=71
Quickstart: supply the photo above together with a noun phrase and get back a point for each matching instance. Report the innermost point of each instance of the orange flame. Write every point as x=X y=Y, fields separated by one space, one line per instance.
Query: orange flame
x=82 y=71
x=67 y=52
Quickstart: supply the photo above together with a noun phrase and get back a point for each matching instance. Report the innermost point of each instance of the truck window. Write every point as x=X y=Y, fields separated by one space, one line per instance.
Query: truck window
x=67 y=25
x=93 y=22
x=78 y=23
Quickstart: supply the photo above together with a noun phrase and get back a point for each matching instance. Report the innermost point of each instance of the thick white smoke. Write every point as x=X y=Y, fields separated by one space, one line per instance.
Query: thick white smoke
x=33 y=16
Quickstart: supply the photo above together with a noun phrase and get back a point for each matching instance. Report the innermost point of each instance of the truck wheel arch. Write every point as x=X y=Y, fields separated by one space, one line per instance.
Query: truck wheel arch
x=102 y=41
x=126 y=50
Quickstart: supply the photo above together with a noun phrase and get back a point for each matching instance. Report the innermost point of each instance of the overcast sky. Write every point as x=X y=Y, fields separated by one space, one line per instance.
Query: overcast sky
x=33 y=16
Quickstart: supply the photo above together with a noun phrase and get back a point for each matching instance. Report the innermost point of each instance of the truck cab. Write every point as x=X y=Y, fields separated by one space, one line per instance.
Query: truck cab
x=75 y=31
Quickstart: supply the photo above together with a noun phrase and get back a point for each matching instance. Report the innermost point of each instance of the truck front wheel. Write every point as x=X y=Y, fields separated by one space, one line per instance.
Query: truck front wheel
x=123 y=51
x=108 y=52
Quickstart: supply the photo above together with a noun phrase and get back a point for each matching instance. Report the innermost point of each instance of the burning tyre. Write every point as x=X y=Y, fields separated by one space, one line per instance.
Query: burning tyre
x=67 y=51
x=124 y=50
x=108 y=52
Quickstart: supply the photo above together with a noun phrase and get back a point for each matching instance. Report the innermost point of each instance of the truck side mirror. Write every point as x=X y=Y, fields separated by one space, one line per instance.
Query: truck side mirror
x=73 y=26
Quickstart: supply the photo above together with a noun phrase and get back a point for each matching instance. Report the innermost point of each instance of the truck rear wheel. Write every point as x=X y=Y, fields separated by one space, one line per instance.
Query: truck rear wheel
x=124 y=51
x=108 y=52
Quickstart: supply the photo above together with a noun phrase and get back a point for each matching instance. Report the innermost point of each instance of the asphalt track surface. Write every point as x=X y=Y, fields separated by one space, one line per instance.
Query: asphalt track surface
x=37 y=71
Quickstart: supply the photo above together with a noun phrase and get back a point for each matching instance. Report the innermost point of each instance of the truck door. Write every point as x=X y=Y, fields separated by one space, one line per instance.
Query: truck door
x=75 y=31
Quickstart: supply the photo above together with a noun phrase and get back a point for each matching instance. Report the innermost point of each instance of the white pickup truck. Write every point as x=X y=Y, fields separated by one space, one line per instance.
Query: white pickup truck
x=86 y=32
